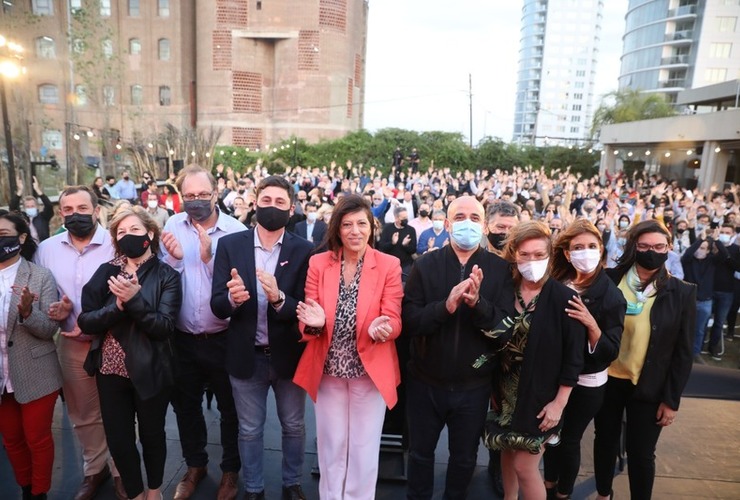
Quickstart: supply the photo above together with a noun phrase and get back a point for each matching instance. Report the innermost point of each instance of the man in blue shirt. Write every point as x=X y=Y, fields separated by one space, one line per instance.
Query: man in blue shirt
x=126 y=188
x=436 y=236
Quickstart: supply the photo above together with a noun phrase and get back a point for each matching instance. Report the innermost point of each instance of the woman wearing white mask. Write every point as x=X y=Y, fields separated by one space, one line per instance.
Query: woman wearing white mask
x=538 y=367
x=600 y=306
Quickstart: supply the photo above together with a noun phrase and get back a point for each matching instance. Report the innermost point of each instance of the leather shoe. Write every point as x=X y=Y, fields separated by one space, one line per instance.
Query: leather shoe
x=188 y=483
x=255 y=495
x=293 y=492
x=119 y=489
x=229 y=486
x=91 y=484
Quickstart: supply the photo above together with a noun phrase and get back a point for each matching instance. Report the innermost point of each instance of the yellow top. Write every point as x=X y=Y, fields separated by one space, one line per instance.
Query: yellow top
x=635 y=338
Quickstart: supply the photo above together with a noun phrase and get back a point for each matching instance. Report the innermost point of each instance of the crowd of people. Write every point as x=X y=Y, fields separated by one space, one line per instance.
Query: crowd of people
x=514 y=307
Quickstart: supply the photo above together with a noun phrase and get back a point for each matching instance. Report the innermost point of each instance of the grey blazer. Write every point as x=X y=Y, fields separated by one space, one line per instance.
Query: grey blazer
x=32 y=355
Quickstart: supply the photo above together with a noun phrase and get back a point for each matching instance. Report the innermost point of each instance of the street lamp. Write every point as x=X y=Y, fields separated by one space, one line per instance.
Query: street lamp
x=295 y=153
x=10 y=55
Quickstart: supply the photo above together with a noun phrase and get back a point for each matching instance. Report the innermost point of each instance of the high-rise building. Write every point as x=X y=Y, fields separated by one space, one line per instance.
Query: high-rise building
x=672 y=45
x=100 y=72
x=557 y=67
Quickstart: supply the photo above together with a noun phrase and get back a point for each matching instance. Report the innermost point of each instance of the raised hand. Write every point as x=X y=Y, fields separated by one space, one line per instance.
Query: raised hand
x=310 y=313
x=237 y=290
x=25 y=303
x=269 y=285
x=58 y=311
x=171 y=244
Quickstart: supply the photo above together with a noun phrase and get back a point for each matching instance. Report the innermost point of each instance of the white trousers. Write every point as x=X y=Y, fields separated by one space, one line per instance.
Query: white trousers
x=349 y=422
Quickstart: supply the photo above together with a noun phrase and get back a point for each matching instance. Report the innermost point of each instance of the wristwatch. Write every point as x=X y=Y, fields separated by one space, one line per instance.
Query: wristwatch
x=279 y=301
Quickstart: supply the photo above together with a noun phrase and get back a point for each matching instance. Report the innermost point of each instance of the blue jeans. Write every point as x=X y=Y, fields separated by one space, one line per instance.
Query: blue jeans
x=703 y=313
x=428 y=410
x=722 y=303
x=250 y=397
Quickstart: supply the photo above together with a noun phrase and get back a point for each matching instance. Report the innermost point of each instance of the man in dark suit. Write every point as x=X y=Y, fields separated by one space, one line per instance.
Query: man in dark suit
x=258 y=279
x=312 y=229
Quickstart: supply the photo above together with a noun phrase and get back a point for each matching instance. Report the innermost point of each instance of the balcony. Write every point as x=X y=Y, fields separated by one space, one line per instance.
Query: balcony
x=680 y=36
x=677 y=59
x=672 y=83
x=685 y=10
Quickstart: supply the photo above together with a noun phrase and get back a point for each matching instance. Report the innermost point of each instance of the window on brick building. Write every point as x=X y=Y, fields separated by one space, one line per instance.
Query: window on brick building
x=134 y=8
x=108 y=49
x=164 y=49
x=163 y=8
x=105 y=8
x=43 y=7
x=165 y=96
x=45 y=48
x=109 y=95
x=48 y=94
x=137 y=95
x=80 y=95
x=134 y=46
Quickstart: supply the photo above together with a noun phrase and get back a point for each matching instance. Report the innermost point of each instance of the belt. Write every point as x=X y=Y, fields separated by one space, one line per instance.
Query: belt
x=202 y=336
x=264 y=349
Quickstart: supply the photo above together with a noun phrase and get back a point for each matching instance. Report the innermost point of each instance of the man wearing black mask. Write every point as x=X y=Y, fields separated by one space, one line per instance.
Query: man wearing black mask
x=258 y=279
x=73 y=257
x=399 y=239
x=500 y=218
x=189 y=240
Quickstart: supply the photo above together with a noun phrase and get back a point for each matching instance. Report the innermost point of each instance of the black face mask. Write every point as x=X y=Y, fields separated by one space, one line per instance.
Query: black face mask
x=497 y=240
x=134 y=245
x=10 y=246
x=79 y=225
x=272 y=218
x=423 y=213
x=404 y=222
x=680 y=230
x=198 y=210
x=651 y=260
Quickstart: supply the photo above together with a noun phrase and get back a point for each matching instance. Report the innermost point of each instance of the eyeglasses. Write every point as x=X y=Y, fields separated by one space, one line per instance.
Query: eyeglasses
x=658 y=247
x=199 y=196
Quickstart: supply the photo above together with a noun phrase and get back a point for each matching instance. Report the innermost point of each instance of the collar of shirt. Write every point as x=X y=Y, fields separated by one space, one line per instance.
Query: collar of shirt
x=98 y=238
x=258 y=243
x=8 y=274
x=221 y=222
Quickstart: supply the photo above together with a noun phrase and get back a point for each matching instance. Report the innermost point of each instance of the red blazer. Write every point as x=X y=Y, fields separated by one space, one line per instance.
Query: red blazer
x=380 y=293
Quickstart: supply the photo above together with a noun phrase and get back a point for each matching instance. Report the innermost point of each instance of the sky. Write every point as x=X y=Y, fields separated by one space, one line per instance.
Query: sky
x=420 y=53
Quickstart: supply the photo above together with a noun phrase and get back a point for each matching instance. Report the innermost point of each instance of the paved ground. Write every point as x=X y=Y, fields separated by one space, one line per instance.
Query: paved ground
x=698 y=457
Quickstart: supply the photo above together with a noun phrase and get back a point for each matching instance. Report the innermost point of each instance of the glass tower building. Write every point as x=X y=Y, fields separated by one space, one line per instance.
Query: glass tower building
x=557 y=66
x=672 y=45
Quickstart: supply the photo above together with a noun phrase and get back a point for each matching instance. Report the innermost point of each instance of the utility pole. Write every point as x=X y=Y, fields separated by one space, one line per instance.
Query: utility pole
x=470 y=98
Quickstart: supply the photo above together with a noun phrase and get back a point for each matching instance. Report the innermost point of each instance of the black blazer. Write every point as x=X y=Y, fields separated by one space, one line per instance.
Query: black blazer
x=607 y=305
x=670 y=353
x=553 y=355
x=319 y=230
x=237 y=251
x=143 y=328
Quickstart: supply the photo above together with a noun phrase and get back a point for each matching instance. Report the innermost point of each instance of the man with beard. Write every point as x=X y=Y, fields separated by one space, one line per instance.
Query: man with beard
x=189 y=240
x=258 y=279
x=73 y=257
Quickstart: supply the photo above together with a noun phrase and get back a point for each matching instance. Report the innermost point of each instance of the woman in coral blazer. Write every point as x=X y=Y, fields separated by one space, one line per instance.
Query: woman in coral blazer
x=350 y=319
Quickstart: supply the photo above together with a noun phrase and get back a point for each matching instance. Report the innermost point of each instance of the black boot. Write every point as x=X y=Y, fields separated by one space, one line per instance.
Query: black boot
x=26 y=492
x=40 y=496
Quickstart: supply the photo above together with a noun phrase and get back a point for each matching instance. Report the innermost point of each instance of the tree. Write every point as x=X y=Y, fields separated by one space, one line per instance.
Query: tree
x=629 y=105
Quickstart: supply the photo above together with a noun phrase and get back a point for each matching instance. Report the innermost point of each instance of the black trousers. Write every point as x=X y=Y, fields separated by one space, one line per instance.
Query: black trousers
x=641 y=439
x=121 y=407
x=563 y=461
x=429 y=409
x=200 y=360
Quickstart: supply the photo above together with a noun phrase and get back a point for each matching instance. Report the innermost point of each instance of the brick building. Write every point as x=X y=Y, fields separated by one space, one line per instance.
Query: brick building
x=102 y=71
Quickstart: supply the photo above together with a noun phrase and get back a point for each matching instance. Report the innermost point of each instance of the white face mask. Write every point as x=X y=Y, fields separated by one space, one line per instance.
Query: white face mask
x=533 y=270
x=585 y=260
x=311 y=216
x=152 y=203
x=438 y=225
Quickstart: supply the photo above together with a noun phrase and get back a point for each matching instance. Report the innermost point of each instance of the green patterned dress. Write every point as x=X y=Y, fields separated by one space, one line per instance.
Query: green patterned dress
x=498 y=435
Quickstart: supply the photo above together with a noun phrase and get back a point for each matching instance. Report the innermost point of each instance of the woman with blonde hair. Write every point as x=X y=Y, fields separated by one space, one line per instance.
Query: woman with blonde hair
x=130 y=304
x=539 y=365
x=578 y=263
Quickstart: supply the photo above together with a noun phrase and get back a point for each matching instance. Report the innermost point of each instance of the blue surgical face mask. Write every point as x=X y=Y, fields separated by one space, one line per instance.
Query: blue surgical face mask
x=725 y=239
x=466 y=234
x=438 y=225
x=32 y=212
